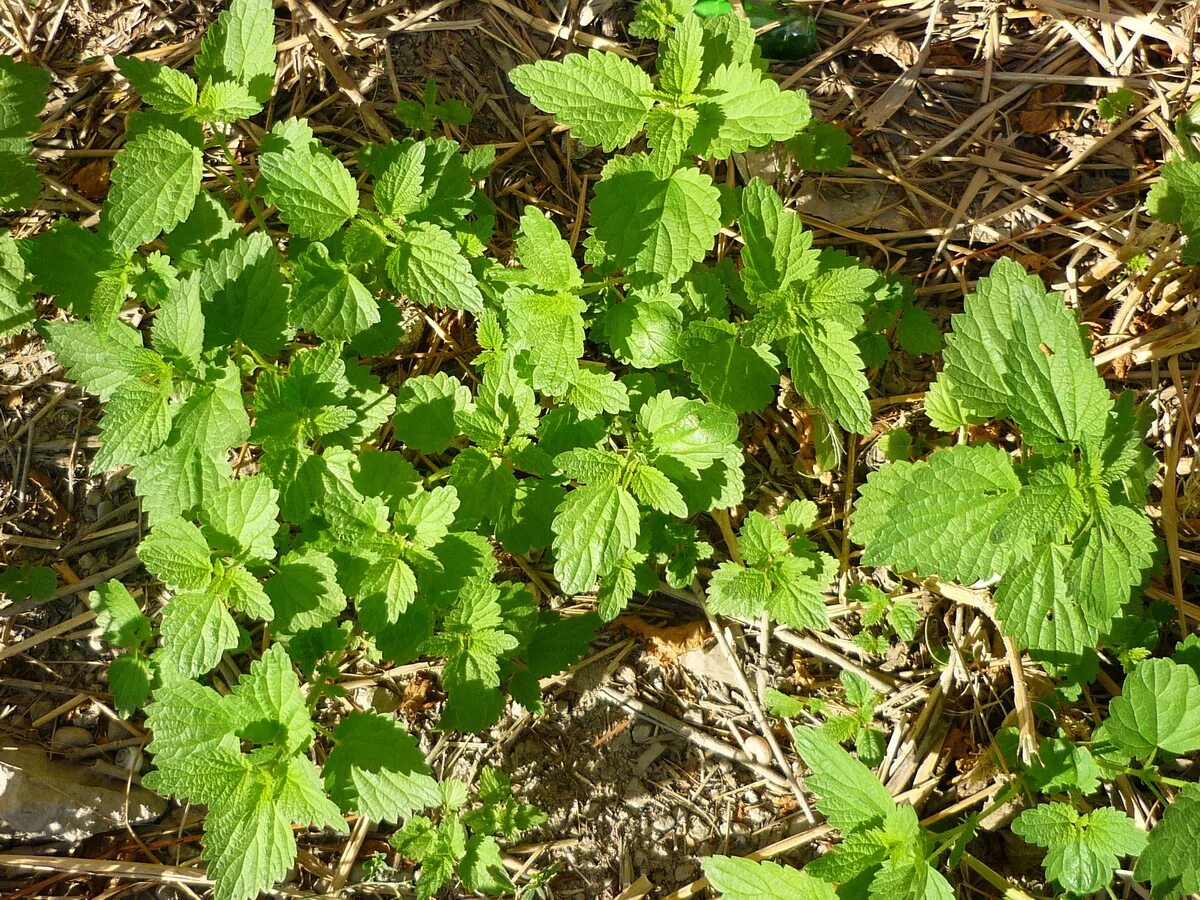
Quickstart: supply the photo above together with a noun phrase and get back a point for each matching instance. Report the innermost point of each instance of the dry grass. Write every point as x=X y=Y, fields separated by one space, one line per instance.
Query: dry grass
x=975 y=137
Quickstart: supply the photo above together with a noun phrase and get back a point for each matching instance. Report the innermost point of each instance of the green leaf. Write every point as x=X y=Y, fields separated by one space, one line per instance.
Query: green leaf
x=644 y=331
x=659 y=226
x=241 y=518
x=129 y=677
x=101 y=363
x=329 y=301
x=1035 y=609
x=240 y=47
x=196 y=630
x=155 y=180
x=668 y=134
x=244 y=297
x=595 y=526
x=550 y=329
x=17 y=310
x=429 y=267
x=822 y=147
x=1083 y=849
x=482 y=867
x=377 y=770
x=826 y=369
x=1175 y=199
x=167 y=90
x=544 y=253
x=178 y=330
x=744 y=879
x=176 y=553
x=23 y=89
x=729 y=373
x=655 y=490
x=746 y=109
x=426 y=406
x=778 y=251
x=1056 y=392
x=937 y=516
x=269 y=704
x=118 y=617
x=313 y=191
x=1169 y=861
x=227 y=101
x=603 y=98
x=848 y=793
x=680 y=58
x=1048 y=509
x=304 y=591
x=691 y=433
x=136 y=422
x=1159 y=708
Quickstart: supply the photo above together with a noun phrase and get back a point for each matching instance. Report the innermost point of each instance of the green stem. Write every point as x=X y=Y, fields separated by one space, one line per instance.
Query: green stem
x=243 y=183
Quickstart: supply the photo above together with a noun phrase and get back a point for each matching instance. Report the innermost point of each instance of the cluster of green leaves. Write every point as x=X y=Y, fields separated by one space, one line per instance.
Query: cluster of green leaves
x=302 y=513
x=1063 y=526
x=462 y=841
x=885 y=851
x=1175 y=197
x=599 y=421
x=849 y=718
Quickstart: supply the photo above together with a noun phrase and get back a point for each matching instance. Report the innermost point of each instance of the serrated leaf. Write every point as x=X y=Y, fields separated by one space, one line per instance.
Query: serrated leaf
x=227 y=101
x=167 y=90
x=129 y=677
x=827 y=370
x=196 y=630
x=244 y=297
x=304 y=591
x=118 y=616
x=936 y=516
x=155 y=181
x=377 y=770
x=178 y=330
x=425 y=411
x=778 y=250
x=313 y=191
x=1169 y=861
x=429 y=267
x=692 y=433
x=848 y=793
x=595 y=526
x=644 y=331
x=1159 y=707
x=240 y=46
x=603 y=98
x=1055 y=390
x=652 y=225
x=332 y=303
x=1083 y=849
x=729 y=373
x=17 y=310
x=136 y=422
x=656 y=490
x=544 y=253
x=176 y=553
x=269 y=705
x=746 y=109
x=668 y=134
x=1175 y=199
x=241 y=518
x=1033 y=606
x=744 y=879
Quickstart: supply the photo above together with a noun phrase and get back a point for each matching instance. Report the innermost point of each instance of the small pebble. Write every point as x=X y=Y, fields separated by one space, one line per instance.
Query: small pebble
x=87 y=562
x=759 y=749
x=130 y=758
x=685 y=872
x=94 y=497
x=39 y=708
x=72 y=736
x=641 y=733
x=663 y=823
x=103 y=508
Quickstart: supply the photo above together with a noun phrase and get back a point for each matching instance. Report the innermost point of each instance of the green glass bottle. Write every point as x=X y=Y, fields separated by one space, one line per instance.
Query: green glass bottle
x=793 y=39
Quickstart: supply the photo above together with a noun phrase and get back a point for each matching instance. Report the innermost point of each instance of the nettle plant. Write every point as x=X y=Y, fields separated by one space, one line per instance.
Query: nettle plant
x=304 y=516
